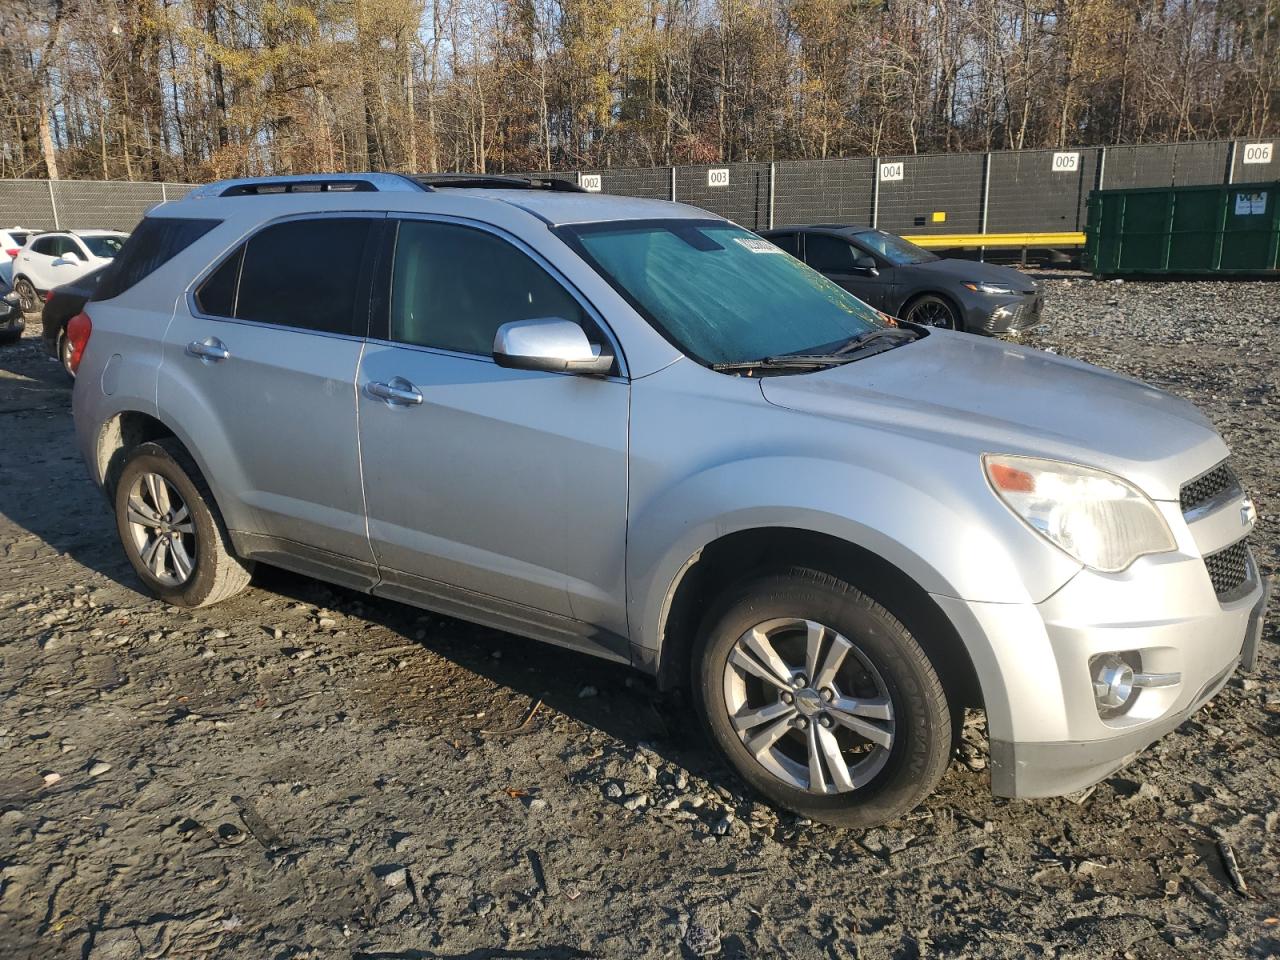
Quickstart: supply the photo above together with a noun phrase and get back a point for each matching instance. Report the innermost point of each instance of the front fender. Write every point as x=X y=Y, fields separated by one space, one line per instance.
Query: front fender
x=948 y=543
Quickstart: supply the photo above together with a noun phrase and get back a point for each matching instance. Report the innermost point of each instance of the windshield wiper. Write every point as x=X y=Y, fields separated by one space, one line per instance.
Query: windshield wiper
x=863 y=345
x=786 y=361
x=885 y=335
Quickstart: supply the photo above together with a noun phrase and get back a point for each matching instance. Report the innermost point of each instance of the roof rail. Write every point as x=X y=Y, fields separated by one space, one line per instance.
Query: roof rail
x=482 y=181
x=307 y=183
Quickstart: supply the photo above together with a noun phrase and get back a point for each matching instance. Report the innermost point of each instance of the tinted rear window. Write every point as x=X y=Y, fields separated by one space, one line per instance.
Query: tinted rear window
x=154 y=242
x=304 y=273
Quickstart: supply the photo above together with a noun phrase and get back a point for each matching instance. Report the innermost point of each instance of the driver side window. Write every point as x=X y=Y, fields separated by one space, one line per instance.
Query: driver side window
x=828 y=254
x=452 y=287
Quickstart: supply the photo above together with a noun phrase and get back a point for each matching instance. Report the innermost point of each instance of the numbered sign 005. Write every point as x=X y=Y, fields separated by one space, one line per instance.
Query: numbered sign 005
x=1066 y=162
x=718 y=177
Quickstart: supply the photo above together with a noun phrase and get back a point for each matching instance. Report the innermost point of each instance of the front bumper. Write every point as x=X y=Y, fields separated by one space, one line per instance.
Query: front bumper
x=12 y=321
x=1033 y=662
x=1007 y=315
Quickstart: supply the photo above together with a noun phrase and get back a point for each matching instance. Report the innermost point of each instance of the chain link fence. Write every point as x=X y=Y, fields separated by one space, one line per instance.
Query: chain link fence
x=1026 y=191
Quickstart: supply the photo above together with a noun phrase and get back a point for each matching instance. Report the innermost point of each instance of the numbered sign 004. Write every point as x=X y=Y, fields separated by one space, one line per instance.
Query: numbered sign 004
x=891 y=171
x=1066 y=162
x=718 y=177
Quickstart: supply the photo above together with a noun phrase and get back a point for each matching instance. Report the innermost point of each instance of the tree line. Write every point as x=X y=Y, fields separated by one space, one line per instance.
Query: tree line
x=192 y=90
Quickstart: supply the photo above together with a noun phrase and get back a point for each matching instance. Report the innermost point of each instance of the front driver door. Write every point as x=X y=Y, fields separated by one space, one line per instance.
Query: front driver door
x=838 y=260
x=494 y=494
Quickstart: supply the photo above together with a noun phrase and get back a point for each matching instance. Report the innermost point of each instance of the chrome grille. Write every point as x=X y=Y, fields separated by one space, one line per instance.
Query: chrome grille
x=1229 y=569
x=1207 y=486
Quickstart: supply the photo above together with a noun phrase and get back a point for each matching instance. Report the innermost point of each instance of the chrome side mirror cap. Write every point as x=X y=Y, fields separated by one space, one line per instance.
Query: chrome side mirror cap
x=550 y=344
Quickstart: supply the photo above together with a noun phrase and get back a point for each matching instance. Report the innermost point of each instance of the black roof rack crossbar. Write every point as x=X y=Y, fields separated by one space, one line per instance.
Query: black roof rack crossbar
x=298 y=186
x=474 y=181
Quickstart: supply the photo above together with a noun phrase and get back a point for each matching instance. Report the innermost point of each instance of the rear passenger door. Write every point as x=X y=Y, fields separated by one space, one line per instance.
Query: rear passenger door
x=496 y=494
x=259 y=369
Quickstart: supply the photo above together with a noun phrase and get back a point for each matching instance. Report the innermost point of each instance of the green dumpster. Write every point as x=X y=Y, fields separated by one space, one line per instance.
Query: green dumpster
x=1231 y=229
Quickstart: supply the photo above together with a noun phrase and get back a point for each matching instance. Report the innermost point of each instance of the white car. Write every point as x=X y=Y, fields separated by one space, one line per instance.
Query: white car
x=49 y=260
x=11 y=242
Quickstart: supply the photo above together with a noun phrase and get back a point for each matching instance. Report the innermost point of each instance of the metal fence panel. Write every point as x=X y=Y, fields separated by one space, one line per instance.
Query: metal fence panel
x=26 y=203
x=84 y=205
x=932 y=186
x=653 y=183
x=1026 y=194
x=823 y=191
x=744 y=200
x=1166 y=165
x=1255 y=172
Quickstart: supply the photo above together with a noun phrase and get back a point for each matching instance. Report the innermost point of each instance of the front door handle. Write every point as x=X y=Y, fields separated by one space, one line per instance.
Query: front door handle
x=398 y=393
x=209 y=350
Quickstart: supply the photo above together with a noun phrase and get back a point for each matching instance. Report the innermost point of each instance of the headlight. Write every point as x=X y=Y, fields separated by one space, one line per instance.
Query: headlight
x=1102 y=521
x=995 y=289
x=11 y=297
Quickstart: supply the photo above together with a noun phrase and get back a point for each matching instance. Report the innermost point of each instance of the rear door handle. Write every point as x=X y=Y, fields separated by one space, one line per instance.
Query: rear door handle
x=209 y=350
x=398 y=393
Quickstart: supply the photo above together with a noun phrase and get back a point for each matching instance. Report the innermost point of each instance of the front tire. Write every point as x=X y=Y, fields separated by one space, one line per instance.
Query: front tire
x=932 y=310
x=171 y=530
x=821 y=699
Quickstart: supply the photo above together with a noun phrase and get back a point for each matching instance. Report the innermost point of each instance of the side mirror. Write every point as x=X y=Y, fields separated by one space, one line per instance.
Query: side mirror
x=865 y=263
x=70 y=257
x=550 y=344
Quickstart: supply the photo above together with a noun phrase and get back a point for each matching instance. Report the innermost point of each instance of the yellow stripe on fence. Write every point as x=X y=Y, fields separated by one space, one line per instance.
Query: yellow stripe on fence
x=948 y=240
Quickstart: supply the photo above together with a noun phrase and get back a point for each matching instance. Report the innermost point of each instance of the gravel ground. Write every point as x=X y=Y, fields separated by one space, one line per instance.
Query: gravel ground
x=305 y=772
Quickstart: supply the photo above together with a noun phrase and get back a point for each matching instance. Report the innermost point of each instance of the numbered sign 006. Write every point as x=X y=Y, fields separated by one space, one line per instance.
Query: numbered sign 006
x=1257 y=153
x=1066 y=162
x=718 y=177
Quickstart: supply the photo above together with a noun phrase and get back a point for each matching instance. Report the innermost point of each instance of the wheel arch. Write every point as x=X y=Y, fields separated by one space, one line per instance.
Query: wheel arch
x=122 y=432
x=744 y=553
x=941 y=295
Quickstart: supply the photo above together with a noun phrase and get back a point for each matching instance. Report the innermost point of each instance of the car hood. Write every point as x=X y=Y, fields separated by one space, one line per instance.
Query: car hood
x=992 y=397
x=974 y=271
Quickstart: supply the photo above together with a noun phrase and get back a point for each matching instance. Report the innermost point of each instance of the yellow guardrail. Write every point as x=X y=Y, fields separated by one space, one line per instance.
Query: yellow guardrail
x=948 y=240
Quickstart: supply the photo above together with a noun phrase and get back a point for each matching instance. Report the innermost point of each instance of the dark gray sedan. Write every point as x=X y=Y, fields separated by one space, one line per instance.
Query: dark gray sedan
x=909 y=282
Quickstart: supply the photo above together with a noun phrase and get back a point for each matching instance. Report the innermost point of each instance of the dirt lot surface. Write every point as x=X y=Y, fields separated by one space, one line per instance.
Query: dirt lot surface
x=306 y=772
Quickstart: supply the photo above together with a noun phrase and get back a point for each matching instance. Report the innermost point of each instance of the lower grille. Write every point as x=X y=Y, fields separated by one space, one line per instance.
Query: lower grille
x=1229 y=569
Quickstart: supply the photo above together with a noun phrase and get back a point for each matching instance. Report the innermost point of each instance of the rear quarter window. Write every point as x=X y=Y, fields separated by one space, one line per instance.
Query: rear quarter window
x=154 y=242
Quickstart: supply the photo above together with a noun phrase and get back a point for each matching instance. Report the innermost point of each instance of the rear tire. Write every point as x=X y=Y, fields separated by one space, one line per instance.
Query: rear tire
x=843 y=694
x=64 y=353
x=171 y=529
x=27 y=295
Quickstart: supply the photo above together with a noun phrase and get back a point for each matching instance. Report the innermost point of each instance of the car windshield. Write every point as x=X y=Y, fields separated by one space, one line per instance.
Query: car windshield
x=106 y=247
x=720 y=293
x=897 y=251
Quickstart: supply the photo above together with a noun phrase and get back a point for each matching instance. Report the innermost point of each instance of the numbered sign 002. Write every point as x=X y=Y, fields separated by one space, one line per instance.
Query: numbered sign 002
x=1066 y=162
x=718 y=177
x=590 y=182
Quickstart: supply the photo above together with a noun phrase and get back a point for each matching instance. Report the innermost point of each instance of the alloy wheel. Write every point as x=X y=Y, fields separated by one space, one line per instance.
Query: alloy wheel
x=932 y=312
x=26 y=295
x=163 y=529
x=809 y=706
x=64 y=354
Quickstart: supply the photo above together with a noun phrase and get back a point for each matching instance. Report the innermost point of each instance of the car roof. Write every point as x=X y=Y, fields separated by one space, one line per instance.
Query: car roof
x=562 y=204
x=849 y=229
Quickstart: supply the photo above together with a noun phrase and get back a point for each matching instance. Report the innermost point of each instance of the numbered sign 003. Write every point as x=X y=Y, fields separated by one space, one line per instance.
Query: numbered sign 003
x=1066 y=162
x=718 y=177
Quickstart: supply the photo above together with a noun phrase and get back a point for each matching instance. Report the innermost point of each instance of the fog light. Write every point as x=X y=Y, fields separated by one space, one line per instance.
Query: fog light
x=1117 y=679
x=1112 y=683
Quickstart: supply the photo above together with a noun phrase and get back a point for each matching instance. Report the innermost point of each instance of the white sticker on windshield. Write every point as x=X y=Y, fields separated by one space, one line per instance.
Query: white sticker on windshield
x=756 y=245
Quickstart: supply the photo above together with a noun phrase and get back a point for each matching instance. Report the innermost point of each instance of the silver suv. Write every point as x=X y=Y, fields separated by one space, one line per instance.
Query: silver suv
x=634 y=429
